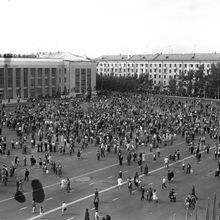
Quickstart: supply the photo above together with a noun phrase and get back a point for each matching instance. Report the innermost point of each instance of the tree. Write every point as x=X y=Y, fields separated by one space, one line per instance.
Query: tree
x=172 y=86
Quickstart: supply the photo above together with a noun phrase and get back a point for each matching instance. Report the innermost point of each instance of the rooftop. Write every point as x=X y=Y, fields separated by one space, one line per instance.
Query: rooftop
x=163 y=57
x=67 y=56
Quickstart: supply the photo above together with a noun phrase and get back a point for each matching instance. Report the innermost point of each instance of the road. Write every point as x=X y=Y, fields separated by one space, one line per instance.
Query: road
x=88 y=173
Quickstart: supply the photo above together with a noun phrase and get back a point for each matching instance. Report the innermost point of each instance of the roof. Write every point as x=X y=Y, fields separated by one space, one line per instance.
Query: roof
x=113 y=57
x=190 y=57
x=67 y=56
x=163 y=57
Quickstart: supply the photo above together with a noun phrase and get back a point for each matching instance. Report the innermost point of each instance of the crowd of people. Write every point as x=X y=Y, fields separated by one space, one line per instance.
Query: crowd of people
x=120 y=124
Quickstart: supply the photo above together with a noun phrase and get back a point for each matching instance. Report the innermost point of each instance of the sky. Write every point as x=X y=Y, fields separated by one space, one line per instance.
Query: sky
x=102 y=27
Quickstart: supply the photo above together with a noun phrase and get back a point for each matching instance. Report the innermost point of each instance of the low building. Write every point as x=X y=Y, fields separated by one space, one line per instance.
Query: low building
x=45 y=76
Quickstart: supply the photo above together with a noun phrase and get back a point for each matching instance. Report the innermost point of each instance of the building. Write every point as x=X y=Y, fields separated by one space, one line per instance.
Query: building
x=160 y=67
x=45 y=75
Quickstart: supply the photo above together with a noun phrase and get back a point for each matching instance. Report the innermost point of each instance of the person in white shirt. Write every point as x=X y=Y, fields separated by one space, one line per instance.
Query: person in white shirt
x=97 y=216
x=63 y=207
x=62 y=184
x=164 y=183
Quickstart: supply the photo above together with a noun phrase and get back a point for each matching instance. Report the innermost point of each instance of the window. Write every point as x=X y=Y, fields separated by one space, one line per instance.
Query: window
x=10 y=78
x=46 y=82
x=40 y=70
x=18 y=77
x=150 y=70
x=175 y=65
x=159 y=70
x=165 y=65
x=170 y=71
x=89 y=78
x=32 y=82
x=53 y=82
x=146 y=65
x=160 y=65
x=25 y=77
x=164 y=82
x=159 y=76
x=1 y=78
x=185 y=65
x=151 y=65
x=191 y=65
x=164 y=76
x=165 y=71
x=47 y=72
x=40 y=82
x=170 y=65
x=180 y=65
x=155 y=76
x=77 y=88
x=54 y=71
x=32 y=73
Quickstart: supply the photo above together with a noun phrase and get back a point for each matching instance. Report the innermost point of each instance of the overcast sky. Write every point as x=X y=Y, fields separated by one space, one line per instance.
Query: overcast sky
x=98 y=27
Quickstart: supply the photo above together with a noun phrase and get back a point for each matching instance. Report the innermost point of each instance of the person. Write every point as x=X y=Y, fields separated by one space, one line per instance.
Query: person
x=172 y=195
x=41 y=212
x=62 y=183
x=96 y=193
x=194 y=192
x=164 y=183
x=33 y=206
x=155 y=198
x=183 y=166
x=129 y=185
x=120 y=180
x=87 y=215
x=136 y=179
x=166 y=162
x=68 y=184
x=142 y=192
x=97 y=216
x=96 y=203
x=64 y=207
x=26 y=175
x=146 y=170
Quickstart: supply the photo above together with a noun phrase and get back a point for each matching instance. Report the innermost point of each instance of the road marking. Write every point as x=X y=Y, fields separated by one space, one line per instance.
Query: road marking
x=49 y=198
x=210 y=173
x=111 y=188
x=115 y=199
x=71 y=218
x=109 y=177
x=125 y=171
x=23 y=208
x=91 y=184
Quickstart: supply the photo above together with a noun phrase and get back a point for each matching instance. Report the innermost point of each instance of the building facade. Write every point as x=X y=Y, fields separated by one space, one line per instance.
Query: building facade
x=44 y=77
x=159 y=67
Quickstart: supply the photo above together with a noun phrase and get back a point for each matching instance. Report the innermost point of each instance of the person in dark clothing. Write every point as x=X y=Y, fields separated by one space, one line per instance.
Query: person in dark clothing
x=26 y=175
x=146 y=170
x=87 y=215
x=142 y=192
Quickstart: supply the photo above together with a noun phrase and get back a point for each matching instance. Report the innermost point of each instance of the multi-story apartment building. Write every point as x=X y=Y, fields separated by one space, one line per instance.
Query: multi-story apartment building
x=26 y=77
x=160 y=67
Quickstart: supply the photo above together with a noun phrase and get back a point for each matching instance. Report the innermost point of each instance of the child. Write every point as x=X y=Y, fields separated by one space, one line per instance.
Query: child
x=41 y=211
